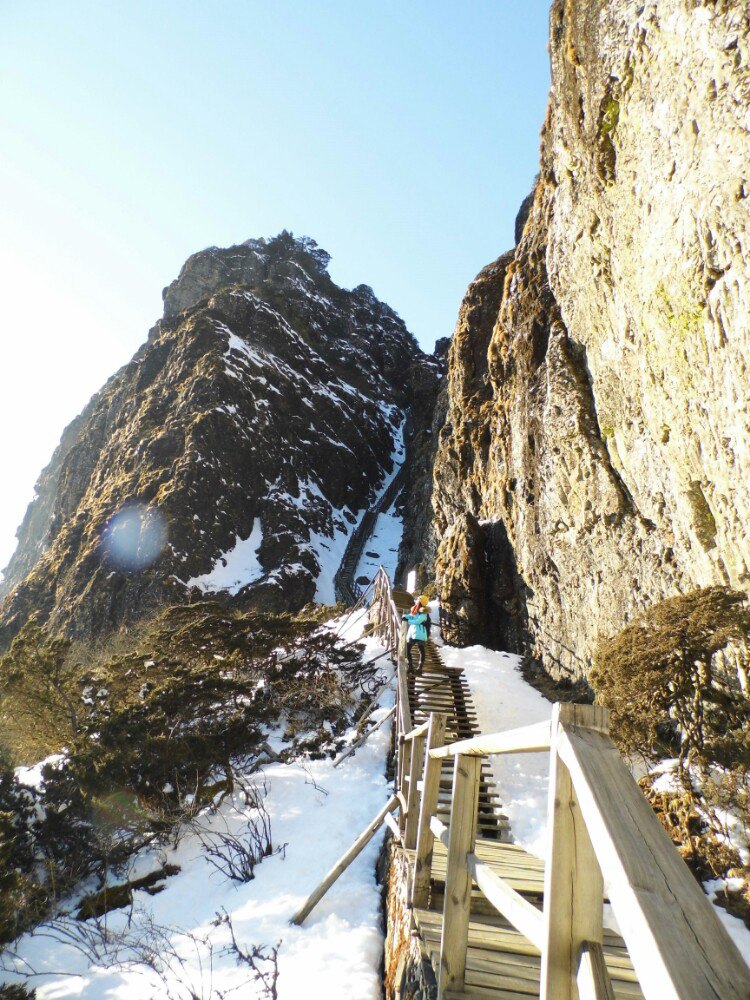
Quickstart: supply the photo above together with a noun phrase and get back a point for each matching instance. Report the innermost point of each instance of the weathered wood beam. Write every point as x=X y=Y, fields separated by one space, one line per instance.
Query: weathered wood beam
x=528 y=739
x=519 y=911
x=573 y=889
x=592 y=977
x=676 y=940
x=427 y=806
x=457 y=903
x=344 y=861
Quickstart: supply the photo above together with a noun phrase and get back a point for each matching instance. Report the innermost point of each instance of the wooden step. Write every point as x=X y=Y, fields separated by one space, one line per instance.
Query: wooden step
x=500 y=962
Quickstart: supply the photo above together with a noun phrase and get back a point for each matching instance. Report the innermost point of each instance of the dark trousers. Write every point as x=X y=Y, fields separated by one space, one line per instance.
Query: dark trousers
x=410 y=643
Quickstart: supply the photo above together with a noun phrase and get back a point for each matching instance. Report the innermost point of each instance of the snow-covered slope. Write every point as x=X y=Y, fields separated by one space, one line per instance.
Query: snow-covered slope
x=315 y=813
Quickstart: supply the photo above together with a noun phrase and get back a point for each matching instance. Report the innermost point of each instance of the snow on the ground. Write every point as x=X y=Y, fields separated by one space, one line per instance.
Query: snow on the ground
x=735 y=927
x=316 y=813
x=32 y=776
x=329 y=552
x=398 y=456
x=504 y=700
x=381 y=548
x=236 y=567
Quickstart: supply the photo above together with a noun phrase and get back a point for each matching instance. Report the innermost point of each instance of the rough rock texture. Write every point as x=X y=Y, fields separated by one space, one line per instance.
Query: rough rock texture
x=408 y=972
x=477 y=593
x=427 y=415
x=608 y=453
x=267 y=397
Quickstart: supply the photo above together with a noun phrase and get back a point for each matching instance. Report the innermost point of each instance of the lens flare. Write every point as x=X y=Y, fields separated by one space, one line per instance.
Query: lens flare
x=134 y=537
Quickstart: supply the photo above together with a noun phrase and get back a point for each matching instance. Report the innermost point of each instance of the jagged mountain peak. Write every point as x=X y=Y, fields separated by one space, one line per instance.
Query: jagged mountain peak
x=258 y=421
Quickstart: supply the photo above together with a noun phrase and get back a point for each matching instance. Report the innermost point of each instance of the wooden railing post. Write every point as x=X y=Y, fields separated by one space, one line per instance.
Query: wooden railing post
x=403 y=727
x=412 y=799
x=403 y=781
x=427 y=807
x=463 y=828
x=573 y=888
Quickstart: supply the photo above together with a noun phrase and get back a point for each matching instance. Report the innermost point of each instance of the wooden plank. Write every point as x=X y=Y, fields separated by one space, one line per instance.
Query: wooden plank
x=506 y=945
x=524 y=980
x=412 y=801
x=528 y=739
x=428 y=805
x=592 y=978
x=344 y=861
x=524 y=917
x=573 y=888
x=463 y=829
x=393 y=826
x=440 y=831
x=417 y=731
x=677 y=942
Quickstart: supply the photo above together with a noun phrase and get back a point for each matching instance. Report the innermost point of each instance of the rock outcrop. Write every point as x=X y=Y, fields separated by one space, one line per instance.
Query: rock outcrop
x=595 y=457
x=426 y=417
x=233 y=455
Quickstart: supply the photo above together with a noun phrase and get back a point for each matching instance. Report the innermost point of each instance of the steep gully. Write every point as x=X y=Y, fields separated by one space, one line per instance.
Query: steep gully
x=347 y=590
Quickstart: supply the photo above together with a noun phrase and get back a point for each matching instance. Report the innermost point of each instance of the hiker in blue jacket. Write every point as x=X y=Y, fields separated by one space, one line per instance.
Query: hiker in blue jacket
x=417 y=634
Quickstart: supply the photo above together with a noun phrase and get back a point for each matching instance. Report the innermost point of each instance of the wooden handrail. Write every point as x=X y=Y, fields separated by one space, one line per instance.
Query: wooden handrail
x=528 y=739
x=417 y=731
x=601 y=830
x=676 y=941
x=524 y=916
x=345 y=860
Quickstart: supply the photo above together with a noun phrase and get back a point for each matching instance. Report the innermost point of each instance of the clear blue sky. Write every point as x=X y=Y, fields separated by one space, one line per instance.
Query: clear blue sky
x=401 y=136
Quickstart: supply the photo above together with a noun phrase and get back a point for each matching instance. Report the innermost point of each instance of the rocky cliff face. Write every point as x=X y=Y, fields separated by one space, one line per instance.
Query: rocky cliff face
x=232 y=456
x=596 y=456
x=426 y=417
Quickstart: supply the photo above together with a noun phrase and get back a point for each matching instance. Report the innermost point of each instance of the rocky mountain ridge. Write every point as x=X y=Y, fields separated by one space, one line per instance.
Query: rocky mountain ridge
x=242 y=443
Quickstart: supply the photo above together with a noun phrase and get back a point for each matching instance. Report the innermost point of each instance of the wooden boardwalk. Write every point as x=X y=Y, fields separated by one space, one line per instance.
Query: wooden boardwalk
x=445 y=689
x=501 y=963
x=492 y=920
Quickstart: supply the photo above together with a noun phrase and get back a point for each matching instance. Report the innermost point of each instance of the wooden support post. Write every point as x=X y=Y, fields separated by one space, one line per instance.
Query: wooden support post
x=345 y=860
x=427 y=807
x=592 y=978
x=404 y=727
x=404 y=759
x=573 y=888
x=463 y=828
x=412 y=798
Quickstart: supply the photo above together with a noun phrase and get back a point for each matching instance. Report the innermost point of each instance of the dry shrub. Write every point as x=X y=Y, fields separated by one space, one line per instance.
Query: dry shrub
x=659 y=678
x=664 y=679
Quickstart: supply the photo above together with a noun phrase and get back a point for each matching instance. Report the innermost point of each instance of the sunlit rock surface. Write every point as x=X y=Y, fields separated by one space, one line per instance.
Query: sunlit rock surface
x=254 y=425
x=599 y=443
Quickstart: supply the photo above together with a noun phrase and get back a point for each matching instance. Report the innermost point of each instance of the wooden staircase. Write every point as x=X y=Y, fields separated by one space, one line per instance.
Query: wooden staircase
x=501 y=963
x=445 y=689
x=496 y=923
